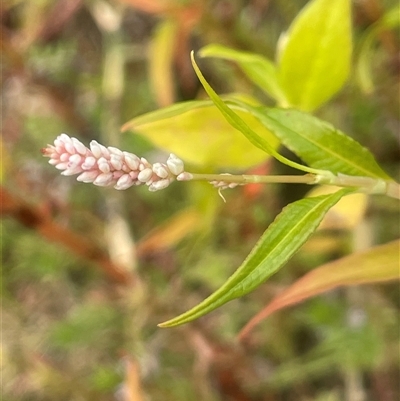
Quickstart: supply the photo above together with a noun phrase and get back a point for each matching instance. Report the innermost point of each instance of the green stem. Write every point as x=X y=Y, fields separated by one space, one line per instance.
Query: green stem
x=364 y=184
x=368 y=185
x=257 y=179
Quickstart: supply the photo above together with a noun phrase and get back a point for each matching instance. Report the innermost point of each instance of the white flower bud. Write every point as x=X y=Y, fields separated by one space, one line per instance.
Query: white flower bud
x=103 y=165
x=184 y=176
x=156 y=186
x=144 y=164
x=115 y=151
x=95 y=148
x=175 y=164
x=116 y=161
x=79 y=146
x=124 y=182
x=74 y=160
x=99 y=147
x=89 y=162
x=131 y=160
x=58 y=143
x=145 y=175
x=65 y=138
x=69 y=148
x=87 y=176
x=160 y=170
x=103 y=180
x=61 y=166
x=72 y=170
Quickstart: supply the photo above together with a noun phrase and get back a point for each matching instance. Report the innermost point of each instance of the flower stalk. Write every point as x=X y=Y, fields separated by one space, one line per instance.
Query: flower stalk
x=109 y=166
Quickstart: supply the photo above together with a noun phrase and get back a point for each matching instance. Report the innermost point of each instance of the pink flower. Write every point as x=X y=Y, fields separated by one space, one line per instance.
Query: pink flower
x=110 y=166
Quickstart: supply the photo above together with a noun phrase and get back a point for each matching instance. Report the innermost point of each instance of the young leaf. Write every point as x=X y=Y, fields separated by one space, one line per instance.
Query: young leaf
x=315 y=60
x=199 y=134
x=280 y=241
x=318 y=143
x=244 y=128
x=380 y=263
x=258 y=69
x=167 y=112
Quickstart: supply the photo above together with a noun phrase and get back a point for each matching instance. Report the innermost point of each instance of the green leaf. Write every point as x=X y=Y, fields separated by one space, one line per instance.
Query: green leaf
x=316 y=57
x=377 y=264
x=280 y=241
x=363 y=68
x=318 y=143
x=167 y=112
x=257 y=68
x=198 y=133
x=238 y=123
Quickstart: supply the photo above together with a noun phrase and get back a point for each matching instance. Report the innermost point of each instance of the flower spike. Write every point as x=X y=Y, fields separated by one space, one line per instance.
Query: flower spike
x=109 y=166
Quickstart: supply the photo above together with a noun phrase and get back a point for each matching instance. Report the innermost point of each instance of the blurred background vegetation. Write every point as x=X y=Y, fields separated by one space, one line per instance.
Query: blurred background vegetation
x=87 y=273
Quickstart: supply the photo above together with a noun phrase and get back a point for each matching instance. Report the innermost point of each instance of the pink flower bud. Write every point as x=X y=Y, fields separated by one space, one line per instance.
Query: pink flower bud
x=110 y=166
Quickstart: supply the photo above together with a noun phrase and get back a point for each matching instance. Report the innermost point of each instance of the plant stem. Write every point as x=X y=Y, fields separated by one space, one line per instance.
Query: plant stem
x=368 y=185
x=364 y=184
x=257 y=179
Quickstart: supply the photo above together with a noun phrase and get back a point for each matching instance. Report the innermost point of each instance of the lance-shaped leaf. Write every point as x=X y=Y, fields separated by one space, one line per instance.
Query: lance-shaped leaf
x=199 y=134
x=280 y=241
x=316 y=56
x=237 y=122
x=380 y=263
x=257 y=68
x=318 y=143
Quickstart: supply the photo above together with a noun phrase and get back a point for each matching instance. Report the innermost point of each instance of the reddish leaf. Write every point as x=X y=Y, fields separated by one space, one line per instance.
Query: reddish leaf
x=380 y=263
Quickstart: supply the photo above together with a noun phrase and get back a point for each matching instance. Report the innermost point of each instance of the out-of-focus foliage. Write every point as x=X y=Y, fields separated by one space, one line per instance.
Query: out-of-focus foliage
x=378 y=264
x=78 y=327
x=199 y=125
x=315 y=54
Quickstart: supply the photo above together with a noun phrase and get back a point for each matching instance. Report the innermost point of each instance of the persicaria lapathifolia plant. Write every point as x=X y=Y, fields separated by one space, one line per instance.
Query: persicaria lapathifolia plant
x=110 y=166
x=330 y=156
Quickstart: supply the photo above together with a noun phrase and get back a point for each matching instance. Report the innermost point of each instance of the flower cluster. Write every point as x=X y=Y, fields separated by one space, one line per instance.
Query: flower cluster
x=109 y=166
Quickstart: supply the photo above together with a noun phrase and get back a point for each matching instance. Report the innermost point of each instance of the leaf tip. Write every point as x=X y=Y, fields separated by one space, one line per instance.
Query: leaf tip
x=125 y=127
x=167 y=324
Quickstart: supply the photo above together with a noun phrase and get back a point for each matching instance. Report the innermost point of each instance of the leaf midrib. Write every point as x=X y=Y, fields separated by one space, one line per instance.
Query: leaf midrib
x=279 y=244
x=329 y=151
